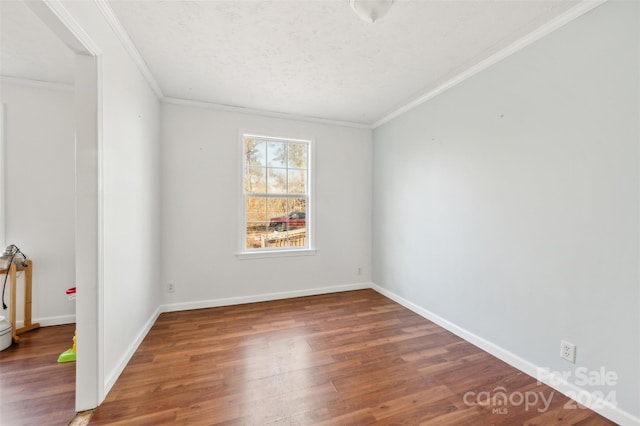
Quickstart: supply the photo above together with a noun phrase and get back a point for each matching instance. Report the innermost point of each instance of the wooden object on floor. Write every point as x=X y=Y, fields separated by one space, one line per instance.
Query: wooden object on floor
x=351 y=358
x=34 y=388
x=13 y=271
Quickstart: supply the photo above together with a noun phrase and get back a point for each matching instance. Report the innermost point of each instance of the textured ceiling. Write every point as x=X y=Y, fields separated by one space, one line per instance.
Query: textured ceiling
x=29 y=49
x=306 y=58
x=317 y=58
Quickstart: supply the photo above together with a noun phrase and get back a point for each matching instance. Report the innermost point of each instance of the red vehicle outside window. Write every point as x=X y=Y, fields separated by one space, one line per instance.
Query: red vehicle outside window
x=291 y=221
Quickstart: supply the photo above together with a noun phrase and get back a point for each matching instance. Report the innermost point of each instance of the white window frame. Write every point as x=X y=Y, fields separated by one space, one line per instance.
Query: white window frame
x=243 y=252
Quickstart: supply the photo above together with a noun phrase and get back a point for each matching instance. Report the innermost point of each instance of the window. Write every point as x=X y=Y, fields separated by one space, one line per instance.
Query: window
x=276 y=177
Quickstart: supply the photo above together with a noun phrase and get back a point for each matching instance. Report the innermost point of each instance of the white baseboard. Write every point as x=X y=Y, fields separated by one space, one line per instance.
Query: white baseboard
x=214 y=303
x=555 y=381
x=50 y=321
x=124 y=360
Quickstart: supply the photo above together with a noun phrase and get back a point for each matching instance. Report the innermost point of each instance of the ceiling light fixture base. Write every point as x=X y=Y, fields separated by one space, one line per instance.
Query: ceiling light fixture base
x=371 y=10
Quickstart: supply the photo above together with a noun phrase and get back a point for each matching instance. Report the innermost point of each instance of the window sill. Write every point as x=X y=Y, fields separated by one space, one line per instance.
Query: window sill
x=246 y=255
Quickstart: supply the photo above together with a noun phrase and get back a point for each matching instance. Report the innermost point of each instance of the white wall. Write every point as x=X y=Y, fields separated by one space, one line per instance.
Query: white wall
x=509 y=205
x=2 y=178
x=129 y=194
x=200 y=190
x=40 y=188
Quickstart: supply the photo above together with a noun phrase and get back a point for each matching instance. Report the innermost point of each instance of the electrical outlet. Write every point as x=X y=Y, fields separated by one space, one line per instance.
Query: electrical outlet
x=171 y=288
x=568 y=351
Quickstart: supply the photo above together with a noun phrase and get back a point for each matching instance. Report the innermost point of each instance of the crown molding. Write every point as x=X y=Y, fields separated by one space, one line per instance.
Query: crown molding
x=580 y=9
x=263 y=113
x=38 y=84
x=64 y=26
x=131 y=49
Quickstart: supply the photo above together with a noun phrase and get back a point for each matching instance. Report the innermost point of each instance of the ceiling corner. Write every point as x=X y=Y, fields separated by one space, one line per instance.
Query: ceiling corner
x=126 y=41
x=559 y=21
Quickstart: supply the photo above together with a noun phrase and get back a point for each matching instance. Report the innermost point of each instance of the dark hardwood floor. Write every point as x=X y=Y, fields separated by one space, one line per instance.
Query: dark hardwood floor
x=34 y=388
x=351 y=358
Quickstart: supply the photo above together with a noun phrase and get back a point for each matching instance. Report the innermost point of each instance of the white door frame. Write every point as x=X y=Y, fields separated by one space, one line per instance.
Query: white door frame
x=88 y=200
x=2 y=179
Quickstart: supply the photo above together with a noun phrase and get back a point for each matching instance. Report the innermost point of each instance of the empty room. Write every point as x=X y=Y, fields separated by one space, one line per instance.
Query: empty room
x=336 y=212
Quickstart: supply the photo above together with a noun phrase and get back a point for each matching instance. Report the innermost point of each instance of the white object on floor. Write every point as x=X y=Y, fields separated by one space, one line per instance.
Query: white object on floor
x=5 y=334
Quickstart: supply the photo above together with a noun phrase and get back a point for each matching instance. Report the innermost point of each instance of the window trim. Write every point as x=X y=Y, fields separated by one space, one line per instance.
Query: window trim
x=310 y=249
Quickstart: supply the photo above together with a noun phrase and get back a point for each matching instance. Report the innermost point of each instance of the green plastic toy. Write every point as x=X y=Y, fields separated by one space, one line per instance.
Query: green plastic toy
x=70 y=354
x=67 y=356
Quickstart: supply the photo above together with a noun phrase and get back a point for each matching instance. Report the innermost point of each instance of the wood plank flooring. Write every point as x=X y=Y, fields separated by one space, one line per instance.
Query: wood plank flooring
x=352 y=358
x=34 y=388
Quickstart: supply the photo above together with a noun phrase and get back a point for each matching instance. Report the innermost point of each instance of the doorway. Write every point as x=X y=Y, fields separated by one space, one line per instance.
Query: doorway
x=85 y=103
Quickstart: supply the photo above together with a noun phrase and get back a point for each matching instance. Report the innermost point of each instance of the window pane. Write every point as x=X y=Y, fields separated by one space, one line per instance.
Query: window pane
x=298 y=155
x=277 y=181
x=298 y=205
x=255 y=235
x=277 y=154
x=255 y=153
x=255 y=179
x=277 y=212
x=297 y=181
x=256 y=209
